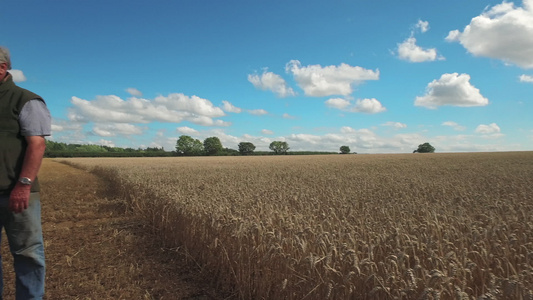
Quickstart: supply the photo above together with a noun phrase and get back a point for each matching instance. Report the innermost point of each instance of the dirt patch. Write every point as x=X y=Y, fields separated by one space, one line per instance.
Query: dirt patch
x=97 y=249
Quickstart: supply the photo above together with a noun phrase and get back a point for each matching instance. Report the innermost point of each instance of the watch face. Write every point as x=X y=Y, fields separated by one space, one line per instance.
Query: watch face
x=25 y=180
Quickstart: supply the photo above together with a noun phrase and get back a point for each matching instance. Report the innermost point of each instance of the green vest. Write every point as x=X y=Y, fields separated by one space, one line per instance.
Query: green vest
x=12 y=144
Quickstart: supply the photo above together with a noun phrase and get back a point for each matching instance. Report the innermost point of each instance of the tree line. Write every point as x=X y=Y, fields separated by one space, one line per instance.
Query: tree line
x=212 y=146
x=188 y=146
x=59 y=149
x=185 y=146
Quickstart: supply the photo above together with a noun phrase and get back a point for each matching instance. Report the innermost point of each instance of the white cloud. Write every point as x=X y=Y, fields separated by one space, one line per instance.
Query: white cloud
x=422 y=25
x=451 y=89
x=502 y=32
x=287 y=116
x=350 y=130
x=186 y=130
x=359 y=140
x=471 y=143
x=526 y=78
x=272 y=82
x=488 y=129
x=230 y=107
x=369 y=106
x=174 y=108
x=258 y=112
x=408 y=50
x=453 y=36
x=207 y=121
x=454 y=125
x=396 y=125
x=338 y=103
x=193 y=104
x=18 y=75
x=134 y=92
x=63 y=125
x=318 y=81
x=347 y=129
x=56 y=128
x=266 y=131
x=103 y=142
x=307 y=138
x=116 y=129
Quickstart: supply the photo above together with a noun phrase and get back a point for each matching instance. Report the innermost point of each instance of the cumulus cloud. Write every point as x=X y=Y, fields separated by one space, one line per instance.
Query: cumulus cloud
x=303 y=137
x=287 y=116
x=351 y=131
x=408 y=50
x=488 y=129
x=451 y=89
x=369 y=106
x=526 y=78
x=134 y=92
x=422 y=25
x=272 y=82
x=347 y=129
x=193 y=104
x=266 y=131
x=258 y=112
x=454 y=125
x=359 y=140
x=174 y=108
x=186 y=130
x=502 y=32
x=103 y=142
x=318 y=81
x=338 y=103
x=227 y=106
x=57 y=128
x=59 y=125
x=18 y=75
x=115 y=129
x=395 y=125
x=207 y=121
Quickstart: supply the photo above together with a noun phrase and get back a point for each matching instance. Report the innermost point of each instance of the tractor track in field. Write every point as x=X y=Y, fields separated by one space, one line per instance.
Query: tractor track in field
x=97 y=249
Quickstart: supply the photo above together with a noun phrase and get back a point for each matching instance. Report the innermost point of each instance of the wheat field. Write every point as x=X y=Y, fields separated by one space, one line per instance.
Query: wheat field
x=396 y=226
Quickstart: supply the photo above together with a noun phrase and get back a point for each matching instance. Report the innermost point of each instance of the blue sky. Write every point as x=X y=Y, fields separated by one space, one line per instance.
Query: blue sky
x=377 y=76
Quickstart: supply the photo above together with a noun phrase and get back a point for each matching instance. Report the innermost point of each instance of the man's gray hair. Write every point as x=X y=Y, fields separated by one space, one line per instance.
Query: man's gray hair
x=5 y=57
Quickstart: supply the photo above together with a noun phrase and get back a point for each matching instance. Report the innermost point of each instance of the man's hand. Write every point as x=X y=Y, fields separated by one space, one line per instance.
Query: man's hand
x=19 y=198
x=20 y=195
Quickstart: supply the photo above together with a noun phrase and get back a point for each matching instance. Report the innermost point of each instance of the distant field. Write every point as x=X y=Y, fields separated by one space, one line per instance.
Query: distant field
x=403 y=226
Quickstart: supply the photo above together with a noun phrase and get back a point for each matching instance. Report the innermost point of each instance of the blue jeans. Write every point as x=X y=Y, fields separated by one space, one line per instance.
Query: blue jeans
x=24 y=234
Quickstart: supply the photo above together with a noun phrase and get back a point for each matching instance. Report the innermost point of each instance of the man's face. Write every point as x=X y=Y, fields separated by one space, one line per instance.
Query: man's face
x=3 y=70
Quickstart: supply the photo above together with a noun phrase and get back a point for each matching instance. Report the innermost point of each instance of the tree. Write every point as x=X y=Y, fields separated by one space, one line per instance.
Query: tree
x=154 y=149
x=345 y=149
x=230 y=152
x=188 y=146
x=246 y=148
x=279 y=147
x=212 y=145
x=425 y=148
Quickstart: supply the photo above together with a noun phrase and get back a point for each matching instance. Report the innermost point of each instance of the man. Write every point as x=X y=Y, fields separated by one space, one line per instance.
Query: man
x=24 y=122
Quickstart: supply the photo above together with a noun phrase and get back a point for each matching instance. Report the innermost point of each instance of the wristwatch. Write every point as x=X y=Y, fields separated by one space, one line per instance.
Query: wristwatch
x=25 y=180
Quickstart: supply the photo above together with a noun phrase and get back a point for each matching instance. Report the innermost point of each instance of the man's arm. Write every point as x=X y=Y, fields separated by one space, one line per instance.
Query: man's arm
x=20 y=195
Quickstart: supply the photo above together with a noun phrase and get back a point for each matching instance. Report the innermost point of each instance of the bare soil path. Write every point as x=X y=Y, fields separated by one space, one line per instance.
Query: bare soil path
x=96 y=249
